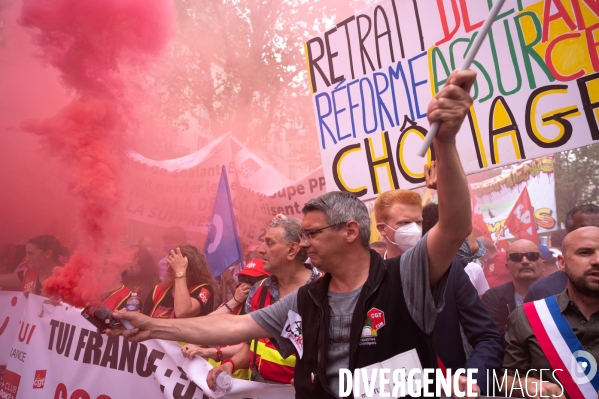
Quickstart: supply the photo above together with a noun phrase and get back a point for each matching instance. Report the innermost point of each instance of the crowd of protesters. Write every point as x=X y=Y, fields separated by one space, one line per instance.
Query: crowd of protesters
x=454 y=300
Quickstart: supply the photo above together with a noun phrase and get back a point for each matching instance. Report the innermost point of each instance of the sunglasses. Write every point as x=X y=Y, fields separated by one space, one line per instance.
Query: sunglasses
x=518 y=256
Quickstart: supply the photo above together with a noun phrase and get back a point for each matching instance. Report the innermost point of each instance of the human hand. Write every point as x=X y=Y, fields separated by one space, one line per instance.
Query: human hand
x=430 y=175
x=242 y=292
x=279 y=216
x=190 y=350
x=177 y=261
x=463 y=387
x=535 y=389
x=450 y=106
x=211 y=378
x=141 y=323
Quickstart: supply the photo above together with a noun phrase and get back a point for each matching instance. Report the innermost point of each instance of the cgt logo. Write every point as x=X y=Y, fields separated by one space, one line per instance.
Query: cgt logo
x=40 y=379
x=377 y=317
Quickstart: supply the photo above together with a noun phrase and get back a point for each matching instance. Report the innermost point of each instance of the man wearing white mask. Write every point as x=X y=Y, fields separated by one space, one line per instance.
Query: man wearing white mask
x=398 y=215
x=465 y=335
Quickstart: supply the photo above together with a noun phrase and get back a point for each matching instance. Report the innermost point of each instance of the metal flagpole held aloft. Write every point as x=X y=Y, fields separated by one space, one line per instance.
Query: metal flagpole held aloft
x=478 y=41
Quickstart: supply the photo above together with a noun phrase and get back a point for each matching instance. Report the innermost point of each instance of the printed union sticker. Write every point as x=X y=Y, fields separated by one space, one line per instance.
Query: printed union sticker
x=293 y=331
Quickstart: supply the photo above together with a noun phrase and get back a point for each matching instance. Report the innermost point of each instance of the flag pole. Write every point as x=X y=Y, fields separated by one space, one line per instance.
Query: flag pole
x=478 y=41
x=224 y=171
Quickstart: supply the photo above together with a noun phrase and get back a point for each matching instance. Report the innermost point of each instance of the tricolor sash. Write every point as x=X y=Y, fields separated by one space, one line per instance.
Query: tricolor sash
x=564 y=352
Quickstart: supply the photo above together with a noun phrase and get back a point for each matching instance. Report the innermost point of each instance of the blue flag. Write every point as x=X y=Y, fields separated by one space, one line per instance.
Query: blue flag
x=222 y=248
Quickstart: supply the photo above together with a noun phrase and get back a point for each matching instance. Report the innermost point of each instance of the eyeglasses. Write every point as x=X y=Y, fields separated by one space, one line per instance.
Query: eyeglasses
x=517 y=256
x=306 y=236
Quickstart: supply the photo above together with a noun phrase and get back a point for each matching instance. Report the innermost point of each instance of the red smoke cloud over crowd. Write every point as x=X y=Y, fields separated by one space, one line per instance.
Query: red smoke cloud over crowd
x=92 y=45
x=83 y=81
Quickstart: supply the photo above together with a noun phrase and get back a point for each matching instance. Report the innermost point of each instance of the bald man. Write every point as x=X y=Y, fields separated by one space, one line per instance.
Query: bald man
x=581 y=216
x=525 y=265
x=568 y=321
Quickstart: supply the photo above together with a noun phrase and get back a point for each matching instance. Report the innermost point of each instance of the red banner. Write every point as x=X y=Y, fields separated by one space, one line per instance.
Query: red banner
x=521 y=220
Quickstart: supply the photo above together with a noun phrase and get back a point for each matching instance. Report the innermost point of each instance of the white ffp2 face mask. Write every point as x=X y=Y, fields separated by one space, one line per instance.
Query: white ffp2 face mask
x=406 y=236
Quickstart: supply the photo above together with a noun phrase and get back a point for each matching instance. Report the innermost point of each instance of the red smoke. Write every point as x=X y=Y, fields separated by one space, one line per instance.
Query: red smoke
x=91 y=43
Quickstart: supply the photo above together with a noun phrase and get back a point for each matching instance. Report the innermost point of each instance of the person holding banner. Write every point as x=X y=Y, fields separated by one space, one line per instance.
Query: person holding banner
x=252 y=273
x=43 y=253
x=284 y=258
x=324 y=322
x=188 y=288
x=557 y=338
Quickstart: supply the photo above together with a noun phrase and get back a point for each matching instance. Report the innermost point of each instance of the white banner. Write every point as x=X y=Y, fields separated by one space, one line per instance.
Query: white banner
x=181 y=192
x=12 y=305
x=373 y=75
x=57 y=354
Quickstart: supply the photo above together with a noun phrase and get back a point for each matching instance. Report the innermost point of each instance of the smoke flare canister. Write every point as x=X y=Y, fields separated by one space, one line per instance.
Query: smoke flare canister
x=100 y=317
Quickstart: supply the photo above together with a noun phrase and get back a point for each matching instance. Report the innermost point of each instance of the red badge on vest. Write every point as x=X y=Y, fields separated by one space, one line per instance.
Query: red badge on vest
x=375 y=320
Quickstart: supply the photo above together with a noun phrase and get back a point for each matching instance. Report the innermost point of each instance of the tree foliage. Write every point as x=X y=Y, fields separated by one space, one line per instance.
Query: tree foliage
x=240 y=66
x=576 y=178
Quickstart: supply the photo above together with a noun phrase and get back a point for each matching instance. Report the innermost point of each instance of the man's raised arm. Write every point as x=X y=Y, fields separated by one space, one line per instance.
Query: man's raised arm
x=450 y=107
x=220 y=329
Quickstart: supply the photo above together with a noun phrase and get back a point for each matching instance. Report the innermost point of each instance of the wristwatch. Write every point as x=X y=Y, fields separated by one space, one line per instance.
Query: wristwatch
x=180 y=274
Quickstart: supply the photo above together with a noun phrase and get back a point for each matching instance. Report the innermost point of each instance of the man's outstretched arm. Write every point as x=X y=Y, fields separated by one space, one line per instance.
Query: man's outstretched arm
x=450 y=106
x=220 y=329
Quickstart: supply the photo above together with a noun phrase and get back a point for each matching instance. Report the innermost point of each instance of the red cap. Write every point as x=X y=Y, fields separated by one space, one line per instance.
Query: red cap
x=254 y=268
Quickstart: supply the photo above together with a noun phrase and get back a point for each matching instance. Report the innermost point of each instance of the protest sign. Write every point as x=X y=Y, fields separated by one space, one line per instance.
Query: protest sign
x=374 y=73
x=58 y=354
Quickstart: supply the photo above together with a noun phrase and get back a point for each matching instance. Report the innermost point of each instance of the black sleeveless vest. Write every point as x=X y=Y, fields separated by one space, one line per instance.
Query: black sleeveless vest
x=381 y=292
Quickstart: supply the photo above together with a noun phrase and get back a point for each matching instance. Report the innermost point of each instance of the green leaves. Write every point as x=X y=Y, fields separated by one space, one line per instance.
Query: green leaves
x=576 y=178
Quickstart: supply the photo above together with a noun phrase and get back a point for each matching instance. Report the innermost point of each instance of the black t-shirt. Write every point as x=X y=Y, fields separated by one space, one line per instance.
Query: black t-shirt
x=165 y=309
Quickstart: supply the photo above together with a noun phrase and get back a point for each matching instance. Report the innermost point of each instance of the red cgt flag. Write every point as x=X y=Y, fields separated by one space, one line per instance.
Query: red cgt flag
x=478 y=222
x=521 y=220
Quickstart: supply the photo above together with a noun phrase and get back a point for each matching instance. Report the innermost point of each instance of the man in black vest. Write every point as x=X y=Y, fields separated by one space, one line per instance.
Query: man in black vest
x=364 y=310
